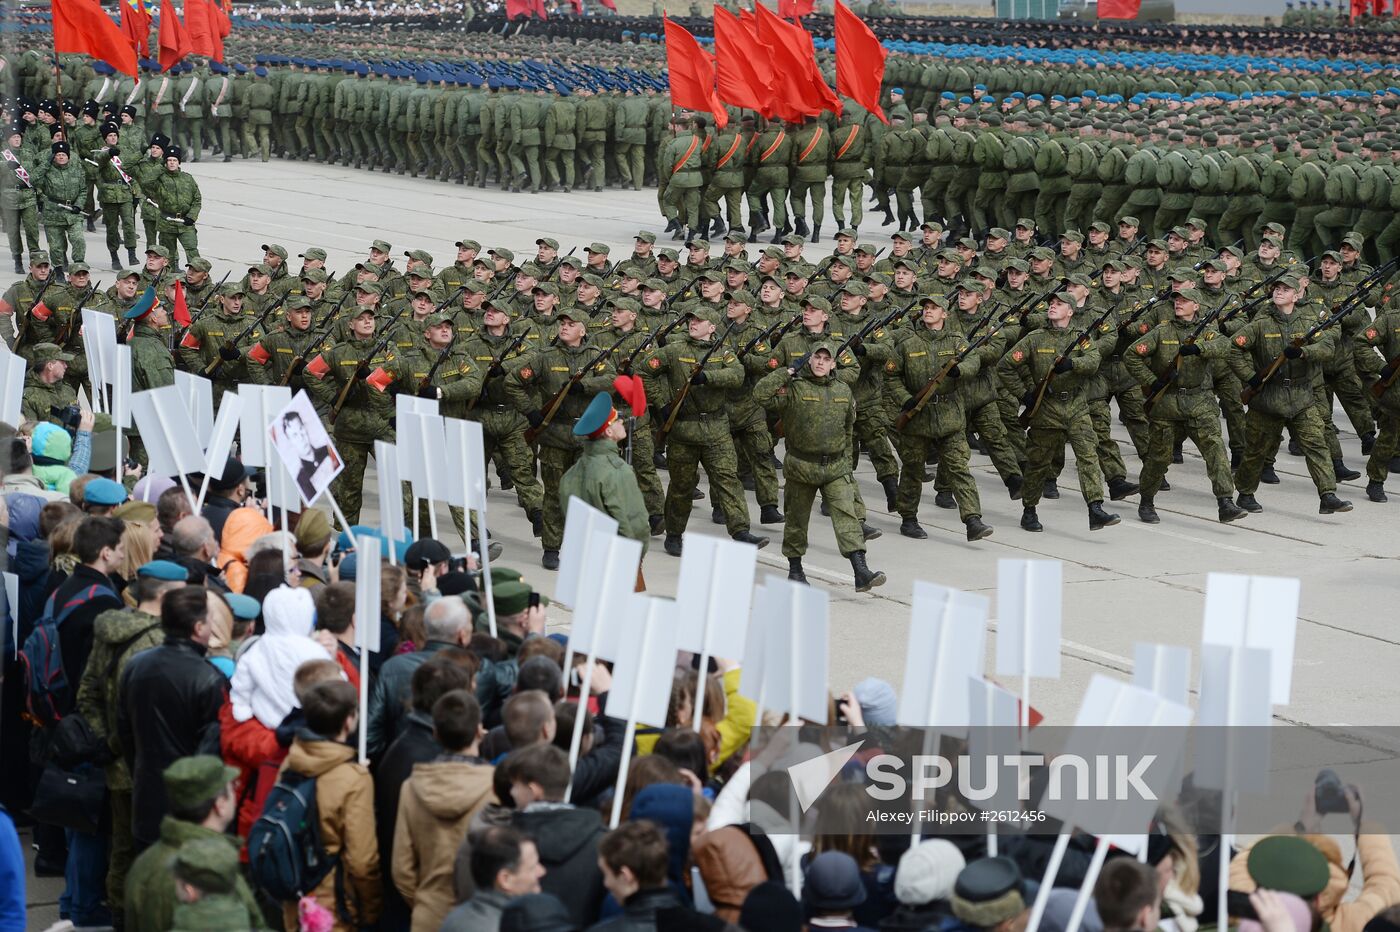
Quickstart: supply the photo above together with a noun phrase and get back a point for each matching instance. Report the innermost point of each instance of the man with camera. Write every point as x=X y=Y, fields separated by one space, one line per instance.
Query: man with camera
x=46 y=395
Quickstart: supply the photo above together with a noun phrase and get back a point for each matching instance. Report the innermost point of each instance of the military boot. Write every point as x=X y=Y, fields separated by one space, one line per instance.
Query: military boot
x=891 y=486
x=945 y=500
x=717 y=515
x=1100 y=519
x=550 y=560
x=1343 y=472
x=1176 y=454
x=1330 y=504
x=657 y=523
x=869 y=532
x=910 y=527
x=1268 y=475
x=866 y=579
x=1051 y=489
x=116 y=261
x=19 y=266
x=672 y=544
x=769 y=514
x=976 y=529
x=1375 y=491
x=744 y=537
x=1294 y=447
x=1029 y=520
x=1249 y=503
x=1229 y=511
x=1120 y=488
x=1014 y=484
x=92 y=223
x=131 y=255
x=889 y=218
x=816 y=233
x=1146 y=513
x=800 y=226
x=795 y=573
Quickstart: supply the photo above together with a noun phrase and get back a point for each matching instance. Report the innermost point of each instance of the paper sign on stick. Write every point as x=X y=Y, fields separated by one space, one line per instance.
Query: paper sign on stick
x=795 y=677
x=198 y=395
x=581 y=522
x=991 y=736
x=610 y=568
x=642 y=670
x=121 y=387
x=1232 y=744
x=1029 y=594
x=466 y=464
x=260 y=404
x=367 y=596
x=100 y=343
x=12 y=369
x=386 y=465
x=422 y=446
x=1163 y=669
x=305 y=449
x=947 y=646
x=1255 y=611
x=755 y=642
x=221 y=439
x=163 y=419
x=713 y=595
x=12 y=608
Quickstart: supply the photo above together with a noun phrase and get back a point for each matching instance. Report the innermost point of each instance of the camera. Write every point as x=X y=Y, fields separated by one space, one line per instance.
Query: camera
x=457 y=564
x=68 y=417
x=1329 y=793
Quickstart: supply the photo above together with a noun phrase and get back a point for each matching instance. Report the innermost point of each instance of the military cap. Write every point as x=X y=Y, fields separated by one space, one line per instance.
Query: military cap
x=1288 y=863
x=577 y=315
x=573 y=262
x=315 y=276
x=370 y=287
x=900 y=234
x=134 y=272
x=733 y=236
x=1026 y=223
x=190 y=782
x=418 y=255
x=1129 y=222
x=512 y=596
x=1100 y=227
x=315 y=253
x=711 y=275
x=297 y=302
x=1042 y=254
x=596 y=418
x=988 y=892
x=1157 y=244
x=1354 y=240
x=1196 y=222
x=104 y=492
x=468 y=244
x=646 y=236
x=424 y=272
x=1216 y=265
x=1063 y=296
x=705 y=313
x=653 y=284
x=1182 y=273
x=800 y=269
x=844 y=261
x=969 y=286
x=1071 y=236
x=41 y=257
x=1277 y=229
x=276 y=250
x=531 y=269
x=548 y=288
x=818 y=302
x=437 y=319
x=157 y=250
x=588 y=278
x=967 y=242
x=869 y=249
x=199 y=264
x=262 y=268
x=742 y=296
x=848 y=232
x=1288 y=280
x=982 y=270
x=380 y=245
x=547 y=241
x=135 y=510
x=78 y=268
x=1192 y=294
x=774 y=252
x=935 y=299
x=166 y=570
x=669 y=254
x=1017 y=265
x=600 y=248
x=231 y=288
x=794 y=239
x=856 y=288
x=420 y=291
x=626 y=304
x=1179 y=232
x=931 y=225
x=998 y=233
x=48 y=352
x=697 y=242
x=501 y=253
x=1235 y=251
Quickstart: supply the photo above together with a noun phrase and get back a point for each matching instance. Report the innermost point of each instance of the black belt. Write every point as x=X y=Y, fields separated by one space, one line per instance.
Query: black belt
x=1062 y=396
x=825 y=459
x=703 y=416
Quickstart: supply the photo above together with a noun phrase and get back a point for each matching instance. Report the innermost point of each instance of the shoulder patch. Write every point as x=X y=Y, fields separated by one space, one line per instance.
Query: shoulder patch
x=1241 y=340
x=772 y=363
x=1141 y=349
x=1017 y=355
x=891 y=366
x=526 y=372
x=654 y=363
x=1371 y=333
x=1143 y=328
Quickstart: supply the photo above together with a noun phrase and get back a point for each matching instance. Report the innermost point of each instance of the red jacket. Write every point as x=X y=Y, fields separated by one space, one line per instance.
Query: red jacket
x=253 y=748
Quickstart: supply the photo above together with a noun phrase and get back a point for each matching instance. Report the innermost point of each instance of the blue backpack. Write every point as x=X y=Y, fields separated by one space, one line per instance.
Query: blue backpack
x=285 y=853
x=48 y=695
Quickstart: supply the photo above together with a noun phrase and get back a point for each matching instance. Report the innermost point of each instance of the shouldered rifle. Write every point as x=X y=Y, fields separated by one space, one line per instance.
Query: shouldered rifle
x=496 y=361
x=557 y=402
x=446 y=350
x=922 y=396
x=656 y=336
x=204 y=306
x=682 y=293
x=1348 y=304
x=217 y=362
x=778 y=329
x=1044 y=386
x=24 y=320
x=684 y=392
x=1027 y=304
x=375 y=350
x=62 y=338
x=873 y=324
x=318 y=334
x=1158 y=388
x=502 y=286
x=1245 y=304
x=555 y=267
x=1157 y=298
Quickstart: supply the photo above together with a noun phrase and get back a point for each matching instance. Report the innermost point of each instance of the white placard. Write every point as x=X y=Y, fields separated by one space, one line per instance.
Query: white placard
x=198 y=395
x=423 y=445
x=1163 y=669
x=221 y=440
x=121 y=387
x=1255 y=611
x=947 y=646
x=713 y=595
x=465 y=486
x=367 y=596
x=755 y=648
x=12 y=369
x=163 y=419
x=305 y=449
x=100 y=344
x=1029 y=593
x=1232 y=744
x=282 y=492
x=386 y=466
x=581 y=522
x=643 y=668
x=260 y=404
x=795 y=678
x=610 y=567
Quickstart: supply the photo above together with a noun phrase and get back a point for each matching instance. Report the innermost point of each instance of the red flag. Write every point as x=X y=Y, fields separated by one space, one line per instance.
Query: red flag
x=136 y=24
x=794 y=57
x=692 y=73
x=518 y=8
x=203 y=30
x=174 y=38
x=224 y=23
x=743 y=67
x=578 y=7
x=1119 y=9
x=860 y=61
x=794 y=9
x=609 y=4
x=539 y=9
x=181 y=310
x=80 y=27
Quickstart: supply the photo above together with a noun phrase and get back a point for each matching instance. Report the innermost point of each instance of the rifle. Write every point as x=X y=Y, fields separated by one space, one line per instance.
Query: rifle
x=62 y=338
x=778 y=329
x=875 y=323
x=1251 y=304
x=204 y=305
x=446 y=350
x=299 y=361
x=24 y=321
x=557 y=402
x=682 y=293
x=684 y=392
x=1348 y=304
x=655 y=336
x=217 y=363
x=922 y=396
x=1040 y=390
x=502 y=286
x=1023 y=308
x=496 y=361
x=1157 y=389
x=166 y=217
x=1157 y=298
x=555 y=267
x=364 y=363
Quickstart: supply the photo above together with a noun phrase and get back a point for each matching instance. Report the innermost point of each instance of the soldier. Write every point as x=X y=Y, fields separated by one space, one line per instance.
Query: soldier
x=979 y=391
x=221 y=337
x=260 y=100
x=811 y=160
x=147 y=171
x=527 y=117
x=20 y=298
x=46 y=394
x=725 y=160
x=1384 y=334
x=62 y=183
x=117 y=192
x=681 y=159
x=1286 y=398
x=1173 y=361
x=152 y=365
x=630 y=137
x=630 y=354
x=18 y=204
x=770 y=157
x=189 y=95
x=177 y=193
x=218 y=104
x=753 y=444
x=600 y=477
x=850 y=163
x=560 y=141
x=819 y=411
x=279 y=357
x=1049 y=369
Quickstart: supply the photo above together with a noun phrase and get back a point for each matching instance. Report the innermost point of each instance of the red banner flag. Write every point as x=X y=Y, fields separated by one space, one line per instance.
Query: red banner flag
x=860 y=61
x=181 y=309
x=794 y=9
x=81 y=28
x=136 y=25
x=174 y=38
x=518 y=8
x=1119 y=9
x=691 y=70
x=203 y=29
x=803 y=89
x=743 y=67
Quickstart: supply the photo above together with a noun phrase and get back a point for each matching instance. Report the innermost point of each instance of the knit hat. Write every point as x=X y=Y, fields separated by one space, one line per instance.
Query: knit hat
x=927 y=872
x=877 y=701
x=833 y=882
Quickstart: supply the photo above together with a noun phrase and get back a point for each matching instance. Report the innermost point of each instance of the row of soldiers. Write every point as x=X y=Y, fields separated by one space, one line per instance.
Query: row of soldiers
x=1019 y=347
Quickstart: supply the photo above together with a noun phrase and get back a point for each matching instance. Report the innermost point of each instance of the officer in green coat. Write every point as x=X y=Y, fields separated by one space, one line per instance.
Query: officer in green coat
x=600 y=477
x=681 y=160
x=527 y=116
x=117 y=192
x=62 y=184
x=152 y=365
x=818 y=411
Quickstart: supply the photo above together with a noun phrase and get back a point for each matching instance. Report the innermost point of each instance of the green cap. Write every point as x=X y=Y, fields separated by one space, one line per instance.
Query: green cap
x=1288 y=280
x=1042 y=254
x=262 y=268
x=370 y=287
x=437 y=319
x=78 y=268
x=1192 y=294
x=705 y=313
x=654 y=284
x=868 y=248
x=824 y=346
x=666 y=252
x=1026 y=223
x=743 y=296
x=646 y=236
x=512 y=596
x=315 y=276
x=1071 y=236
x=48 y=352
x=421 y=271
x=856 y=288
x=549 y=241
x=1289 y=863
x=158 y=251
x=315 y=254
x=211 y=864
x=1078 y=278
x=1129 y=222
x=697 y=242
x=998 y=233
x=818 y=302
x=1017 y=265
x=229 y=289
x=626 y=304
x=192 y=781
x=501 y=253
x=600 y=248
x=546 y=288
x=468 y=244
x=573 y=262
x=124 y=273
x=278 y=251
x=590 y=279
x=199 y=264
x=381 y=246
x=299 y=302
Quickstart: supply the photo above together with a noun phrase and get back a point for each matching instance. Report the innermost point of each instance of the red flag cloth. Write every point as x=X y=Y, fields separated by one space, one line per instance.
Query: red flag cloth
x=743 y=67
x=204 y=33
x=860 y=61
x=691 y=70
x=225 y=24
x=136 y=24
x=518 y=8
x=174 y=38
x=794 y=9
x=609 y=4
x=1119 y=9
x=80 y=27
x=804 y=89
x=578 y=7
x=181 y=309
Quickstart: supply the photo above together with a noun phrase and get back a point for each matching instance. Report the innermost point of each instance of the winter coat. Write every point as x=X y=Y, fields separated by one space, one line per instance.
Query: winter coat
x=568 y=843
x=1380 y=886
x=241 y=528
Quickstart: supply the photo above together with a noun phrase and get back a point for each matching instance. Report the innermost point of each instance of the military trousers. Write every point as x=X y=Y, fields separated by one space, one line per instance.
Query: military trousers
x=466 y=154
x=1345 y=383
x=503 y=438
x=1110 y=205
x=525 y=160
x=559 y=167
x=872 y=429
x=764 y=184
x=1050 y=212
x=630 y=160
x=1201 y=425
x=172 y=238
x=686 y=202
x=21 y=226
x=1388 y=241
x=219 y=129
x=953 y=457
x=804 y=475
x=733 y=197
x=683 y=461
x=1386 y=448
x=799 y=192
x=192 y=131
x=1009 y=410
x=1240 y=221
x=1109 y=456
x=957 y=198
x=643 y=446
x=1332 y=224
x=64 y=234
x=1227 y=390
x=554 y=462
x=262 y=141
x=846 y=191
x=986 y=423
x=593 y=154
x=1168 y=218
x=1265 y=432
x=984 y=202
x=120 y=221
x=1044 y=445
x=754 y=446
x=1079 y=207
x=1302 y=234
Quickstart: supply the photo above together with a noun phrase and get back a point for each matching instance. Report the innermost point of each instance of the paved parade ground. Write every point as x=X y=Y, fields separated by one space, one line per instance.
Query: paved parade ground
x=1124 y=585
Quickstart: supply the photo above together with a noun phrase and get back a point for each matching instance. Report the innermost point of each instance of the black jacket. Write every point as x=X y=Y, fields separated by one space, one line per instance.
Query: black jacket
x=75 y=634
x=414 y=745
x=168 y=696
x=567 y=839
x=657 y=908
x=217 y=508
x=926 y=918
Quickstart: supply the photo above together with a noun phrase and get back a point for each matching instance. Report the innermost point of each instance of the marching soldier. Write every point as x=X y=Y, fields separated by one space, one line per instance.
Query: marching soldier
x=280 y=356
x=215 y=338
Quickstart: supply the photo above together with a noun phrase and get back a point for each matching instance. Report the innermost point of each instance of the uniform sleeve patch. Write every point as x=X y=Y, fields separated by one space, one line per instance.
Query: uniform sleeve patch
x=1143 y=328
x=1017 y=356
x=772 y=364
x=1241 y=340
x=526 y=372
x=1371 y=333
x=891 y=366
x=654 y=363
x=1141 y=349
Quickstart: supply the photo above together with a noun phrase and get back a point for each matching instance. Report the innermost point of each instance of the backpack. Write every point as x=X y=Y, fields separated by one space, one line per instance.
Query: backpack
x=48 y=695
x=286 y=855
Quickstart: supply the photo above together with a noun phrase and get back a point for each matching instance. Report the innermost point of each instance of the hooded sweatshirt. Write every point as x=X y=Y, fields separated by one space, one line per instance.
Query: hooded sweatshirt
x=243 y=527
x=262 y=681
x=52 y=448
x=568 y=842
x=435 y=809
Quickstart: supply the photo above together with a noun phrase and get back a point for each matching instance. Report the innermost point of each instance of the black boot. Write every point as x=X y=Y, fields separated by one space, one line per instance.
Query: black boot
x=19 y=265
x=1375 y=491
x=910 y=527
x=1229 y=511
x=945 y=500
x=1014 y=485
x=116 y=261
x=1164 y=485
x=1330 y=504
x=1267 y=475
x=1249 y=503
x=744 y=537
x=824 y=509
x=1100 y=519
x=537 y=522
x=816 y=233
x=747 y=481
x=673 y=225
x=1029 y=521
x=1120 y=488
x=92 y=223
x=889 y=218
x=870 y=532
x=769 y=514
x=1368 y=442
x=1146 y=513
x=550 y=560
x=657 y=523
x=1051 y=490
x=976 y=529
x=777 y=237
x=717 y=515
x=1236 y=457
x=799 y=226
x=795 y=573
x=131 y=255
x=1294 y=447
x=891 y=486
x=1176 y=454
x=866 y=579
x=672 y=544
x=1343 y=472
x=658 y=459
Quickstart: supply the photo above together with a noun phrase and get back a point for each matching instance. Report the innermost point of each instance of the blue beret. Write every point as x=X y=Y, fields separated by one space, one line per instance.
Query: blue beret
x=161 y=569
x=948 y=95
x=104 y=492
x=244 y=607
x=979 y=87
x=1059 y=97
x=596 y=416
x=964 y=100
x=260 y=72
x=1039 y=97
x=897 y=90
x=143 y=305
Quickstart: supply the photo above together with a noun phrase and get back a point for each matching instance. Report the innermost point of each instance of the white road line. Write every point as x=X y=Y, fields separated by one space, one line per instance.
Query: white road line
x=1152 y=529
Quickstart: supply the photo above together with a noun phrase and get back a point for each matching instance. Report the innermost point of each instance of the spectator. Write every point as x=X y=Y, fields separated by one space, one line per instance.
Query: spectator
x=194 y=547
x=262 y=682
x=923 y=884
x=537 y=675
x=139 y=540
x=567 y=836
x=771 y=908
x=447 y=625
x=227 y=493
x=988 y=895
x=671 y=808
x=1128 y=896
x=728 y=716
x=344 y=804
x=202 y=803
x=426 y=561
x=831 y=891
x=167 y=697
x=100 y=496
x=240 y=529
x=315 y=539
x=172 y=507
x=437 y=804
x=118 y=636
x=51 y=448
x=20 y=477
x=417 y=743
x=225 y=613
x=1059 y=906
x=335 y=613
x=412 y=633
x=14 y=911
x=843 y=809
x=88 y=592
x=505 y=864
x=1285 y=912
x=537 y=912
x=516 y=619
x=393 y=598
x=268 y=569
x=529 y=719
x=734 y=862
x=633 y=860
